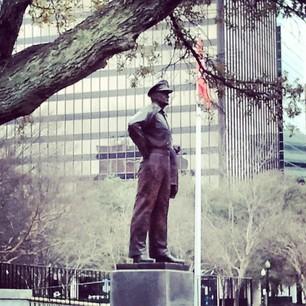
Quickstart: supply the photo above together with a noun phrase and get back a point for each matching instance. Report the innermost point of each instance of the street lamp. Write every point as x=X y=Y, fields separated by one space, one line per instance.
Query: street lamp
x=263 y=292
x=267 y=268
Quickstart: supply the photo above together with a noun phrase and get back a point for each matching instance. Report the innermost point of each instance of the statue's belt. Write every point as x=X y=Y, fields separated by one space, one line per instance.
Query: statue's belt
x=160 y=151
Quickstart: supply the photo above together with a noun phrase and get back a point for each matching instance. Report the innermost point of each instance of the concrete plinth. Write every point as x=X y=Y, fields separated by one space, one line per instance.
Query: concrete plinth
x=15 y=297
x=149 y=287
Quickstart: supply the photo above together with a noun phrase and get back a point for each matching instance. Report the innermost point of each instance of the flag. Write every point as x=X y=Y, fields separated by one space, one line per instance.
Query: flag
x=203 y=89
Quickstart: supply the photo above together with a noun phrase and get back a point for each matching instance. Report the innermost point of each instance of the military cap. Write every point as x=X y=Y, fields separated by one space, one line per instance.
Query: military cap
x=162 y=85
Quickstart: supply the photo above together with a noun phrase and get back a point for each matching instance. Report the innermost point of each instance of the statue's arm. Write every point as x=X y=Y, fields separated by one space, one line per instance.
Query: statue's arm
x=136 y=127
x=136 y=133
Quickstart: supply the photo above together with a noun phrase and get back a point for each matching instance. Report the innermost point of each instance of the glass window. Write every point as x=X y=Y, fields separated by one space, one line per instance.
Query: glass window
x=61 y=125
x=69 y=168
x=95 y=125
x=94 y=167
x=78 y=106
x=86 y=168
x=52 y=149
x=69 y=148
x=78 y=87
x=52 y=108
x=61 y=148
x=122 y=103
x=95 y=103
x=69 y=127
x=87 y=105
x=44 y=149
x=61 y=105
x=187 y=142
x=77 y=168
x=51 y=128
x=86 y=145
x=86 y=125
x=104 y=104
x=69 y=106
x=175 y=119
x=78 y=127
x=103 y=166
x=113 y=124
x=69 y=89
x=185 y=119
x=210 y=139
x=131 y=102
x=78 y=149
x=113 y=103
x=122 y=124
x=43 y=129
x=86 y=85
x=104 y=125
x=100 y=145
x=44 y=108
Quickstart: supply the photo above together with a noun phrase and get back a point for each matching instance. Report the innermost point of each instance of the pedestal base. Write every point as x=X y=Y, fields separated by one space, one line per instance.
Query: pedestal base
x=148 y=287
x=15 y=297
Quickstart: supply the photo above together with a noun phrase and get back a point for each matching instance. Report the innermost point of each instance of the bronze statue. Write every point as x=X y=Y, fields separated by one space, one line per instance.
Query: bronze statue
x=157 y=178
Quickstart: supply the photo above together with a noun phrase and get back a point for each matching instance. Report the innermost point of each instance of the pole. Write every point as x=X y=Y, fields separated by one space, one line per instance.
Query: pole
x=267 y=286
x=198 y=210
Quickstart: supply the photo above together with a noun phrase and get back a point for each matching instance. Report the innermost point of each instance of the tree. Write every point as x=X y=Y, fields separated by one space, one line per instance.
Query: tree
x=29 y=77
x=25 y=203
x=286 y=243
x=250 y=213
x=249 y=222
x=94 y=230
x=27 y=198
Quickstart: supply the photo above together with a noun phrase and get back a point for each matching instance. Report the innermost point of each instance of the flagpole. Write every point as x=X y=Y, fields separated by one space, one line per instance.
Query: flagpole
x=198 y=210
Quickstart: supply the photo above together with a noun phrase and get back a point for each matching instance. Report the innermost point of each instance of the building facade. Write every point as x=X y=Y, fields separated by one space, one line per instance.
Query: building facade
x=82 y=130
x=251 y=133
x=291 y=45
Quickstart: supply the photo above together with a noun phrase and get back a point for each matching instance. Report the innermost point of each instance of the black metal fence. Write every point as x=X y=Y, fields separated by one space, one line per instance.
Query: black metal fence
x=61 y=286
x=223 y=291
x=58 y=285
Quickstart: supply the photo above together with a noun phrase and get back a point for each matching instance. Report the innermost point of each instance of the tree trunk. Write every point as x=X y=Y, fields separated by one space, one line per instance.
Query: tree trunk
x=11 y=15
x=33 y=75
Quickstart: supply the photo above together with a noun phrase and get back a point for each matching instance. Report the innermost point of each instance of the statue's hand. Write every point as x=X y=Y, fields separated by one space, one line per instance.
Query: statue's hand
x=173 y=191
x=177 y=149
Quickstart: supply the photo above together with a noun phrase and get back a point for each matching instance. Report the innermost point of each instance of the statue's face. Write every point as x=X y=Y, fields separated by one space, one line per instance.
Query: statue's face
x=161 y=97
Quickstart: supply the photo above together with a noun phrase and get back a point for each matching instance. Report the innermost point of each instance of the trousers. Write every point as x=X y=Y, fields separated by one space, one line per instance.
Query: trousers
x=150 y=213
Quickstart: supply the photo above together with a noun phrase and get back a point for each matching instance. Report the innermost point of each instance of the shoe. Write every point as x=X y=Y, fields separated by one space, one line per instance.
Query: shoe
x=142 y=259
x=169 y=258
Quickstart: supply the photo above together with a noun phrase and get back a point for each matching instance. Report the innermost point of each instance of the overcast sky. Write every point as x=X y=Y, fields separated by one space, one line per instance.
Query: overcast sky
x=293 y=57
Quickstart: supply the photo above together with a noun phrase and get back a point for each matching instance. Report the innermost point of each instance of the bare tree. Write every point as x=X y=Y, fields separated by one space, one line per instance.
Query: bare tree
x=245 y=217
x=27 y=194
x=25 y=199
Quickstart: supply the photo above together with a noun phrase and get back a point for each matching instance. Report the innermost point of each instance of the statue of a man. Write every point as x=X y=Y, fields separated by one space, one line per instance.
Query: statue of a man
x=157 y=178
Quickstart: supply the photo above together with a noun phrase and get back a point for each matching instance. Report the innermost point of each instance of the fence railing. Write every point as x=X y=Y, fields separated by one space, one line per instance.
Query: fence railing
x=49 y=283
x=62 y=286
x=223 y=291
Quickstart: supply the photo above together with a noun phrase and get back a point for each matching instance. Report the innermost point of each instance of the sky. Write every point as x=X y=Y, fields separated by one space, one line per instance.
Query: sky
x=293 y=31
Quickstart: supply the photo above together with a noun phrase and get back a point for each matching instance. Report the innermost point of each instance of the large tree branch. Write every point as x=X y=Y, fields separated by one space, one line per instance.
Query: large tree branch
x=296 y=8
x=29 y=78
x=11 y=15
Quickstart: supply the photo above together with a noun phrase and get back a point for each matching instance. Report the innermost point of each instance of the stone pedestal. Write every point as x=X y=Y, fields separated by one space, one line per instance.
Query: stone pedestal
x=156 y=284
x=15 y=297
